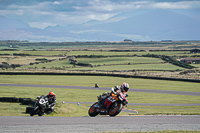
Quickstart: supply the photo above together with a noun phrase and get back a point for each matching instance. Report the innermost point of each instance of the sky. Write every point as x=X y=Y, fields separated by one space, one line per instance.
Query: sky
x=44 y=13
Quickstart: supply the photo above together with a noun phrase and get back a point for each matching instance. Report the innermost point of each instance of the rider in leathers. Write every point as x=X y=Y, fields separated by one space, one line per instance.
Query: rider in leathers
x=52 y=100
x=114 y=90
x=124 y=88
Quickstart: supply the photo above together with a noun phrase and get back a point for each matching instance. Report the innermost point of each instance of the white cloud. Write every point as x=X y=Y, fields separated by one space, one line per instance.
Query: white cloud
x=41 y=25
x=176 y=5
x=107 y=6
x=62 y=12
x=57 y=3
x=85 y=31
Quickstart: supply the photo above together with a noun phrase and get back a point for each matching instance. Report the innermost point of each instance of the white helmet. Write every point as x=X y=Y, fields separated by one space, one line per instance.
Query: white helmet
x=125 y=87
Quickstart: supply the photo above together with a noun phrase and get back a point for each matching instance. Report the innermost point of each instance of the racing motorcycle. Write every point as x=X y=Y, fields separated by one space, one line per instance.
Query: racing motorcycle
x=40 y=106
x=112 y=105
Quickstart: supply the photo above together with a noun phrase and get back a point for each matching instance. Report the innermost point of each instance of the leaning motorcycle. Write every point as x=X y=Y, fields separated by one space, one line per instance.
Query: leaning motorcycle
x=114 y=105
x=40 y=106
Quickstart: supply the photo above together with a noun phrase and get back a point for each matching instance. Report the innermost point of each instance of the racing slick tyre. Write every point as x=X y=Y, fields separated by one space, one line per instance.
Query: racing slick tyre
x=40 y=114
x=93 y=110
x=115 y=109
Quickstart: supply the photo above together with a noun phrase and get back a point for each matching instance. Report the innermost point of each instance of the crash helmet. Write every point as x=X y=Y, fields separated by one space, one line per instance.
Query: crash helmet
x=51 y=94
x=124 y=87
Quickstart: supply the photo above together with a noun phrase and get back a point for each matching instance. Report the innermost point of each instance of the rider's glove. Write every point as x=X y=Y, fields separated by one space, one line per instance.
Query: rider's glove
x=125 y=102
x=117 y=87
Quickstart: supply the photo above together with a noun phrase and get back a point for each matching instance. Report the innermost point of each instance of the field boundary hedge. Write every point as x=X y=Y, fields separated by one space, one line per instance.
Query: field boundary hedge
x=100 y=74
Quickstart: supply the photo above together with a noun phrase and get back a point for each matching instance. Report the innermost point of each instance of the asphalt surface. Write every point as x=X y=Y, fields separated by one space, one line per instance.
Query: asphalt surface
x=26 y=124
x=106 y=89
x=143 y=104
x=97 y=124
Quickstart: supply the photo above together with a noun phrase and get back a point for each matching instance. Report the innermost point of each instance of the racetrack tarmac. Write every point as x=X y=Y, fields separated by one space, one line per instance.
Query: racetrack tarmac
x=88 y=124
x=108 y=89
x=105 y=88
x=98 y=124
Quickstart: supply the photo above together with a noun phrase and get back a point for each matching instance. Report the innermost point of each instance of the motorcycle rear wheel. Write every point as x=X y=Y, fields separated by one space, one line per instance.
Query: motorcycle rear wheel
x=40 y=114
x=93 y=110
x=115 y=110
x=35 y=110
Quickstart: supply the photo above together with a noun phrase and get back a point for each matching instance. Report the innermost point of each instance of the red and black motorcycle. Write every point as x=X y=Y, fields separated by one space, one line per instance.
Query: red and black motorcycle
x=112 y=105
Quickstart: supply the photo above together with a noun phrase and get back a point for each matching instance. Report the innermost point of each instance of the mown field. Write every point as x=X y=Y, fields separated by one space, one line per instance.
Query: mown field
x=139 y=62
x=160 y=132
x=108 y=59
x=137 y=58
x=79 y=95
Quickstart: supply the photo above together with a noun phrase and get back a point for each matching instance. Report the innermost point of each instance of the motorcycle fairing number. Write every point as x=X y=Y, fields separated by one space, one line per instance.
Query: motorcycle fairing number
x=109 y=101
x=41 y=101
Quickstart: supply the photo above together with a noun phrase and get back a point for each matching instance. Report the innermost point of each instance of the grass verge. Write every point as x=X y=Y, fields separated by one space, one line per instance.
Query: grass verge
x=103 y=81
x=80 y=95
x=167 y=131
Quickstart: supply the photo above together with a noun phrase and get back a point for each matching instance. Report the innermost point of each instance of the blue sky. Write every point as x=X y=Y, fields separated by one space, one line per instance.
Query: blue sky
x=43 y=13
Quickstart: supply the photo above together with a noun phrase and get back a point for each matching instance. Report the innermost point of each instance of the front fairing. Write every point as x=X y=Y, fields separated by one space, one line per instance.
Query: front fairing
x=42 y=103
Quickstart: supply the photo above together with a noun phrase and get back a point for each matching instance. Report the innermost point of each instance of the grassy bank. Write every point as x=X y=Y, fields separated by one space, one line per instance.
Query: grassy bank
x=80 y=95
x=160 y=132
x=103 y=81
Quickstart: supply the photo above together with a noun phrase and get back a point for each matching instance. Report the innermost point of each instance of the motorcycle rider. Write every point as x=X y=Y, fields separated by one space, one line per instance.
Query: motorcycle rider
x=124 y=88
x=52 y=100
x=114 y=91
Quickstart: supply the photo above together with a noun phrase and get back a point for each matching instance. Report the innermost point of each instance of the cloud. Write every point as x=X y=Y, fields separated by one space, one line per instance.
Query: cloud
x=176 y=5
x=42 y=13
x=108 y=6
x=85 y=31
x=42 y=24
x=57 y=3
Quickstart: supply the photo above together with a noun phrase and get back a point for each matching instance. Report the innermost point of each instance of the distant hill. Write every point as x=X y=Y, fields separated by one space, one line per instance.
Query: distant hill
x=157 y=25
x=153 y=25
x=7 y=24
x=136 y=25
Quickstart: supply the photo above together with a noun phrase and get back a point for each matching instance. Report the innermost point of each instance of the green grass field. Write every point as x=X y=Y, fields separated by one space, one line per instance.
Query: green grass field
x=46 y=53
x=155 y=67
x=108 y=53
x=79 y=95
x=26 y=60
x=108 y=63
x=58 y=64
x=114 y=63
x=94 y=52
x=103 y=81
x=160 y=132
x=119 y=60
x=117 y=64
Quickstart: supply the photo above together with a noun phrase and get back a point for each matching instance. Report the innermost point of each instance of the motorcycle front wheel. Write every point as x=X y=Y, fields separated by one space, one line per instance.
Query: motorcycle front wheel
x=115 y=109
x=93 y=110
